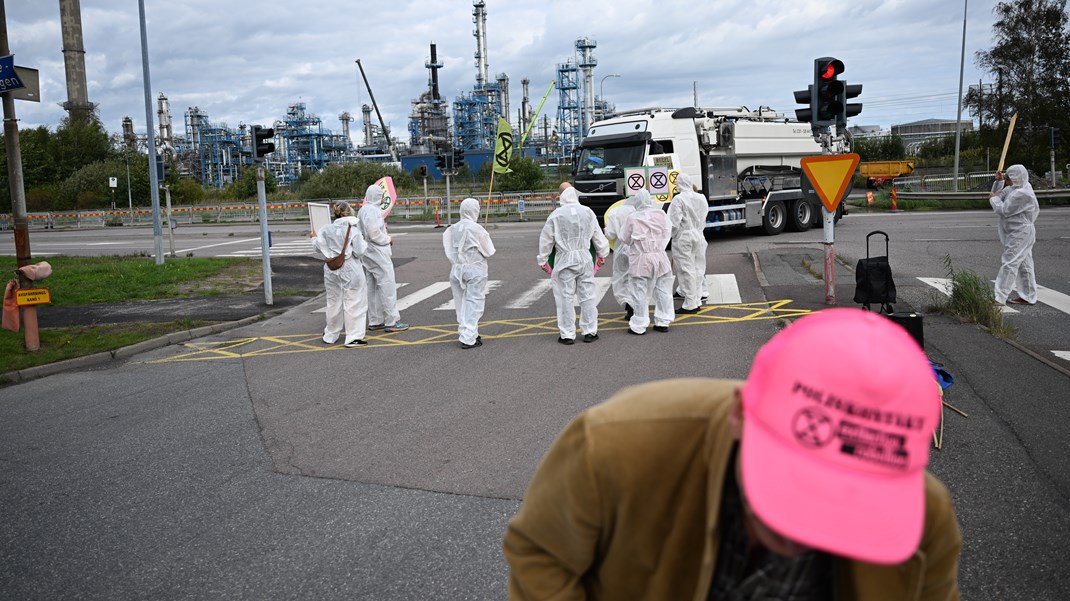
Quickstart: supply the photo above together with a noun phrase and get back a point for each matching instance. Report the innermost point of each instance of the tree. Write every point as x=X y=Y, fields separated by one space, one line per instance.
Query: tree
x=526 y=175
x=1030 y=63
x=883 y=148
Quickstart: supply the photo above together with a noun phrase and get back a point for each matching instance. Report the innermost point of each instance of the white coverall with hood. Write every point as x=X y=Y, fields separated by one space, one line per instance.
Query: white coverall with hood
x=1017 y=208
x=687 y=217
x=614 y=223
x=647 y=233
x=378 y=268
x=571 y=229
x=347 y=294
x=467 y=246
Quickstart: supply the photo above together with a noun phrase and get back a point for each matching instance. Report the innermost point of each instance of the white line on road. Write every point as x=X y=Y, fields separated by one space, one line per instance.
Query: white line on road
x=723 y=289
x=1062 y=355
x=422 y=294
x=324 y=309
x=450 y=306
x=1054 y=299
x=220 y=244
x=529 y=298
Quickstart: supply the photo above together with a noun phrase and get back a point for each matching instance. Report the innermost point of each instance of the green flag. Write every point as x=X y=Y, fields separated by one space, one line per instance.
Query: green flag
x=503 y=146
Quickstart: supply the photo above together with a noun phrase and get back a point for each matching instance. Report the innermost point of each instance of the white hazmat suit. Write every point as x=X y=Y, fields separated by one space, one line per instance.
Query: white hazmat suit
x=570 y=231
x=467 y=246
x=1017 y=208
x=687 y=218
x=647 y=233
x=378 y=267
x=620 y=282
x=347 y=293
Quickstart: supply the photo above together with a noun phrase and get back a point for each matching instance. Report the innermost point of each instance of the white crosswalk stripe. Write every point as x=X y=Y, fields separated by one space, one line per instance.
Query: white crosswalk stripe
x=449 y=305
x=724 y=290
x=324 y=309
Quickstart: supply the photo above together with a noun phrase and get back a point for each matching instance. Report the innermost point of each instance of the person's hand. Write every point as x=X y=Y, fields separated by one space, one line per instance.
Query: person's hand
x=546 y=267
x=599 y=262
x=312 y=234
x=999 y=176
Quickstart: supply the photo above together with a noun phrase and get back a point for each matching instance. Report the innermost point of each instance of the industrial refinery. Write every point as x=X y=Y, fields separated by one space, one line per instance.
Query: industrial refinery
x=214 y=153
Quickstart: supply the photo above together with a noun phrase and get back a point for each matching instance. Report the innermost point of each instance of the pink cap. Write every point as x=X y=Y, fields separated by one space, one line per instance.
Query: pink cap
x=839 y=411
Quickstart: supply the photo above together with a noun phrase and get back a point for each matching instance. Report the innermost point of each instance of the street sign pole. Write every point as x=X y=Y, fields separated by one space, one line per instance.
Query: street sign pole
x=154 y=183
x=828 y=228
x=265 y=247
x=18 y=194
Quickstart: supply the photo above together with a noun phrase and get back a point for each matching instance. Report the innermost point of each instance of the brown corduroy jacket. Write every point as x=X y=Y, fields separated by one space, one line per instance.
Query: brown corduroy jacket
x=625 y=506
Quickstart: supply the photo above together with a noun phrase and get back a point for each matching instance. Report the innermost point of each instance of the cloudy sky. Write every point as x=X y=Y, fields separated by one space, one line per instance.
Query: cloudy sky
x=246 y=61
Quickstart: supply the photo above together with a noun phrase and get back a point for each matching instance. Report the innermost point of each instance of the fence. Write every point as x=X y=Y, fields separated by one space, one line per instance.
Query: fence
x=501 y=206
x=945 y=182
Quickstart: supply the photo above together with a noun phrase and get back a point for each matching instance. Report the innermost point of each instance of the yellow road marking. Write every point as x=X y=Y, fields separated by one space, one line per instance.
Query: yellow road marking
x=242 y=348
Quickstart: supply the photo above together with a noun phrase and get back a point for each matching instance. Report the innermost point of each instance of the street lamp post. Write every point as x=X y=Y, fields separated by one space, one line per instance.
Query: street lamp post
x=601 y=88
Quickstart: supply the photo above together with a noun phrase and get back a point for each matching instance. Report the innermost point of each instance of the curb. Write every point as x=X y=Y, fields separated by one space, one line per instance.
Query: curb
x=41 y=371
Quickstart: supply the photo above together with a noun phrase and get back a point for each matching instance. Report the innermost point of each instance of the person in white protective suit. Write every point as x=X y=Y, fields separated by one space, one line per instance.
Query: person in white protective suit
x=1017 y=208
x=646 y=232
x=378 y=268
x=687 y=218
x=467 y=246
x=571 y=230
x=620 y=282
x=347 y=291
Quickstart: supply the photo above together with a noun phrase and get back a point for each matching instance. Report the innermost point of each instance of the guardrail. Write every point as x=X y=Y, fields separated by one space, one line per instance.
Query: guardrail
x=534 y=204
x=944 y=182
x=980 y=195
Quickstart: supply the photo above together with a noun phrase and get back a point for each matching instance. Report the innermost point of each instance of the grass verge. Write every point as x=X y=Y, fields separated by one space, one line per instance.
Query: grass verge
x=58 y=344
x=78 y=281
x=86 y=280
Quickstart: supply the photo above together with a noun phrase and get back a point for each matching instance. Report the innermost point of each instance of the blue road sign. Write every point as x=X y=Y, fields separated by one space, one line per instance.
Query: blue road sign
x=9 y=80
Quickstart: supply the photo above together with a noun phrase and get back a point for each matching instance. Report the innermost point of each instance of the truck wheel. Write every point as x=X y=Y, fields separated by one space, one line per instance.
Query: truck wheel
x=801 y=216
x=775 y=217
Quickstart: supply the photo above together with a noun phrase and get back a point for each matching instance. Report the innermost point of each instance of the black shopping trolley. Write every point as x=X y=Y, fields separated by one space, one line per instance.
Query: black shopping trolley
x=873 y=279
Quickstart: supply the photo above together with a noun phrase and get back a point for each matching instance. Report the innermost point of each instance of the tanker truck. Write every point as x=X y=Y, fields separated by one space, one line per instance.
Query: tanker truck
x=746 y=163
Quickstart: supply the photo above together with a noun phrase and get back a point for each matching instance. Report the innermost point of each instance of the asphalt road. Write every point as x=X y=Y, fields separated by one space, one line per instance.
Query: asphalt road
x=261 y=464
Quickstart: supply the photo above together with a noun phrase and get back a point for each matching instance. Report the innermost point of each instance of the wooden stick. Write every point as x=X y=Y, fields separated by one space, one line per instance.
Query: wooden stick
x=955 y=409
x=490 y=193
x=1007 y=142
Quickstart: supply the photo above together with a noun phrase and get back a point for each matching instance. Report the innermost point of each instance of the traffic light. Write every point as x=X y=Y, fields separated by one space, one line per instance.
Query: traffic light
x=1055 y=139
x=849 y=109
x=804 y=97
x=440 y=162
x=423 y=170
x=262 y=144
x=825 y=100
x=458 y=158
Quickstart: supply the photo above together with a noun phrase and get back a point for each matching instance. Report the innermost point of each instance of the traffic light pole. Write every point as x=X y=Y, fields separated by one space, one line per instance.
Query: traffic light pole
x=828 y=228
x=448 y=218
x=265 y=247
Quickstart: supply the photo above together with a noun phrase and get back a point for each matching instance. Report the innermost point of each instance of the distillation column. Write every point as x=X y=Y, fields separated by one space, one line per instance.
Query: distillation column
x=586 y=48
x=480 y=18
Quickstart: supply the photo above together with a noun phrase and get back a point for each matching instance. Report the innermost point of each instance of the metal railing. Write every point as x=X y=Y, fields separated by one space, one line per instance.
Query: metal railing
x=945 y=182
x=502 y=206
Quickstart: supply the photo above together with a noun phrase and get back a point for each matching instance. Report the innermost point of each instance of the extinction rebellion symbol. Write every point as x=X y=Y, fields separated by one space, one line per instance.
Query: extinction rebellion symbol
x=657 y=180
x=636 y=181
x=812 y=428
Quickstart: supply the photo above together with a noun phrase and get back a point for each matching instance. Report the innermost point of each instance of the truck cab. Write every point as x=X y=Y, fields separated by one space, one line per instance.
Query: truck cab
x=746 y=163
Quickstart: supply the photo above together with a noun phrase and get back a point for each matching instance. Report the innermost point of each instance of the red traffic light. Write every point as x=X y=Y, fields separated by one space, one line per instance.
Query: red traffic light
x=830 y=69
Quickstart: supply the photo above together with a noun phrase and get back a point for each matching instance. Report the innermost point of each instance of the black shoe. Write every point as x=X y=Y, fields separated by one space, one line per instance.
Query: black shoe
x=590 y=337
x=661 y=328
x=676 y=294
x=567 y=340
x=628 y=312
x=631 y=331
x=356 y=343
x=688 y=311
x=478 y=342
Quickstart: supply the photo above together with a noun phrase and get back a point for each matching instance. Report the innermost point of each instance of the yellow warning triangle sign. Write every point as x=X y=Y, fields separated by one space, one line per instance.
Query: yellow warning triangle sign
x=830 y=176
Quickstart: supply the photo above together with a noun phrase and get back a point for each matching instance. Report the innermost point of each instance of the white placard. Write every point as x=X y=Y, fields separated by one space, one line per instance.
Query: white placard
x=319 y=214
x=113 y=182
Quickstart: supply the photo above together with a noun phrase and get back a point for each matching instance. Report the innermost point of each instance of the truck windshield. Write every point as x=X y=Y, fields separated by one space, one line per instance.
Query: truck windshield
x=598 y=160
